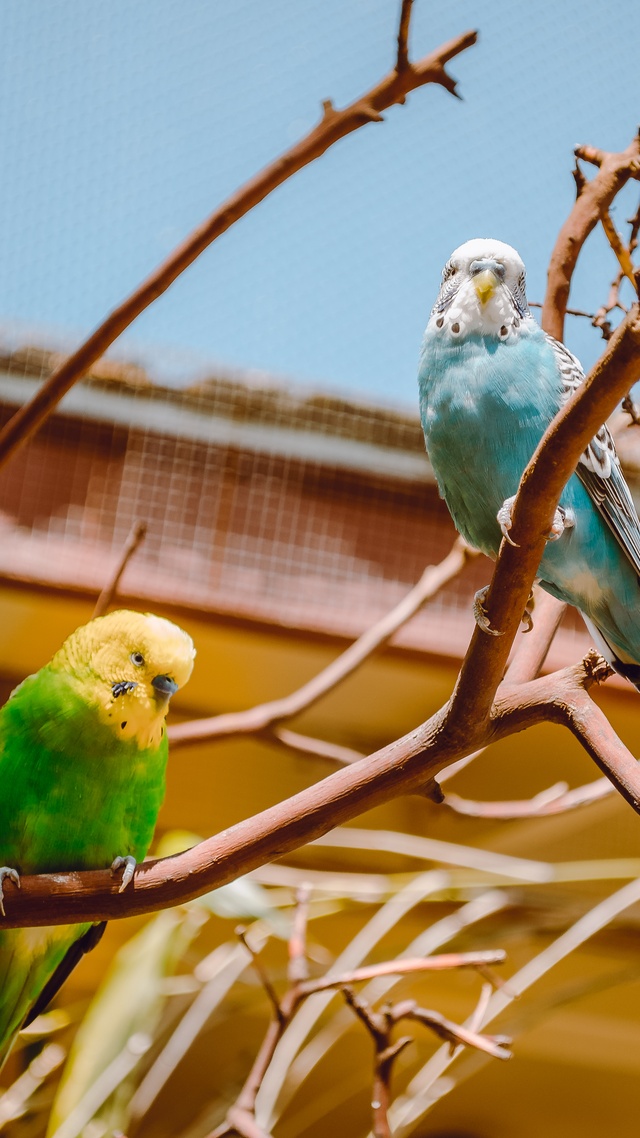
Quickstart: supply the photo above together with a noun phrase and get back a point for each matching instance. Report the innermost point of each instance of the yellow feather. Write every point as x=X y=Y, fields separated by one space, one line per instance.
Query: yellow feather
x=127 y=648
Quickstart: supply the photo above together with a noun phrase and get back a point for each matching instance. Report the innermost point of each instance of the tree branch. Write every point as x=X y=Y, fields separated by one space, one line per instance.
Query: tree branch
x=334 y=125
x=556 y=799
x=265 y=715
x=399 y=768
x=620 y=250
x=136 y=536
x=380 y=1026
x=614 y=170
x=564 y=698
x=469 y=720
x=551 y=466
x=402 y=58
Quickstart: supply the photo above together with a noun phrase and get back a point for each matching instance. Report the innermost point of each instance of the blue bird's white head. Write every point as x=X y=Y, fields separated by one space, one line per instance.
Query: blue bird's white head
x=483 y=292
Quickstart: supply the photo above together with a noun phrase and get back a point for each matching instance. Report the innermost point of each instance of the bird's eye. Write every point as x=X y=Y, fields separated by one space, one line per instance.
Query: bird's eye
x=448 y=271
x=137 y=658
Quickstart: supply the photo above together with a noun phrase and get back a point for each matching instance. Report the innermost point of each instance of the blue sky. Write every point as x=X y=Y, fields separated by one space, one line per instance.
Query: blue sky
x=124 y=124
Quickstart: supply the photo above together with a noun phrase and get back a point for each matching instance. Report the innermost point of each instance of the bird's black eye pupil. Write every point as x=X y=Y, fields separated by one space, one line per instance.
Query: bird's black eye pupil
x=137 y=658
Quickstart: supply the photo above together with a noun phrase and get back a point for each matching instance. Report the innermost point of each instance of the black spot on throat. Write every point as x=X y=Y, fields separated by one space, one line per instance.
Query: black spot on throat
x=123 y=725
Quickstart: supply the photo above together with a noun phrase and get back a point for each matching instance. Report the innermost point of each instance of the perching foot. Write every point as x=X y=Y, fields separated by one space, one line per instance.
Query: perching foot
x=562 y=520
x=6 y=873
x=505 y=520
x=480 y=613
x=129 y=863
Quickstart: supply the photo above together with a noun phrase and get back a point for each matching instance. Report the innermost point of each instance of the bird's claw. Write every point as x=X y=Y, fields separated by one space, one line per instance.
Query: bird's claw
x=480 y=613
x=562 y=520
x=505 y=520
x=7 y=873
x=129 y=863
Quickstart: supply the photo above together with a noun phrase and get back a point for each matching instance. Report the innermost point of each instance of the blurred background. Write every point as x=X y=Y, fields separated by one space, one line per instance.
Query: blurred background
x=261 y=419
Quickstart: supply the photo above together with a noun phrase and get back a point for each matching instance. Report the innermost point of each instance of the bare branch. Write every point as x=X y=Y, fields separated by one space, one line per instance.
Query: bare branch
x=525 y=664
x=334 y=125
x=594 y=199
x=136 y=536
x=495 y=1045
x=565 y=700
x=423 y=1092
x=306 y=745
x=556 y=799
x=264 y=715
x=379 y=1025
x=466 y=723
x=241 y=933
x=398 y=768
x=590 y=154
x=533 y=649
x=568 y=311
x=620 y=250
x=402 y=59
x=541 y=484
x=444 y=962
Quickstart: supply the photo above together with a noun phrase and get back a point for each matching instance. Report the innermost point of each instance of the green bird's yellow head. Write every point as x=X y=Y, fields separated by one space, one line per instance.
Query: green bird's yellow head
x=128 y=665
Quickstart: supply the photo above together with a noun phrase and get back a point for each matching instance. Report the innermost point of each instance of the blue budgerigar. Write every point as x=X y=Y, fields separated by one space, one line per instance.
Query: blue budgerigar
x=490 y=382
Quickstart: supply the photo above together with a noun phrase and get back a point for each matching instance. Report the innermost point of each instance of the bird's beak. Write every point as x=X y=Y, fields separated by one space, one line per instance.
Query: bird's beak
x=164 y=687
x=485 y=285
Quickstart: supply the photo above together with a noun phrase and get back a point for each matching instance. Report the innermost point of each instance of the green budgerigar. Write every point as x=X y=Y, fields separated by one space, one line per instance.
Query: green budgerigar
x=83 y=751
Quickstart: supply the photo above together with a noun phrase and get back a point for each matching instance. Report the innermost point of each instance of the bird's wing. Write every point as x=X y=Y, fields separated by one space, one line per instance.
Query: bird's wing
x=599 y=467
x=73 y=956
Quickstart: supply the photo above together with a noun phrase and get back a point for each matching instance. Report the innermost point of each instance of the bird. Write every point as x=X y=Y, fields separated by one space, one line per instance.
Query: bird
x=490 y=383
x=83 y=751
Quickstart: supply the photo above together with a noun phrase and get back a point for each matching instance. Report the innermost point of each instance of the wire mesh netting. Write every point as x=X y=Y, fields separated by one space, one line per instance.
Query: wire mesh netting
x=262 y=499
